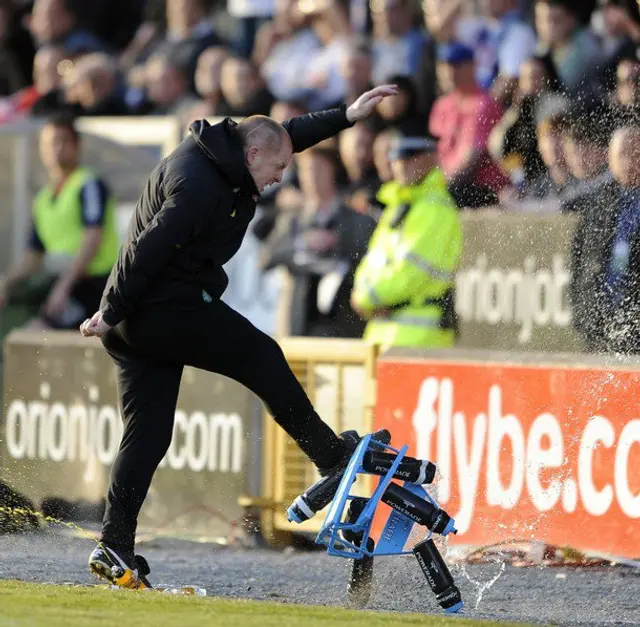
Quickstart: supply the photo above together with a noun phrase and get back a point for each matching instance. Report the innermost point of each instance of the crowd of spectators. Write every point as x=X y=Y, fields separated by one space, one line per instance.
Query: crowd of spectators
x=534 y=104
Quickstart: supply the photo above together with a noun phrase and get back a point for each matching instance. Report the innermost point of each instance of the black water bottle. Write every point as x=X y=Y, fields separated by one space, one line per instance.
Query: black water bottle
x=438 y=576
x=321 y=493
x=361 y=576
x=419 y=510
x=411 y=470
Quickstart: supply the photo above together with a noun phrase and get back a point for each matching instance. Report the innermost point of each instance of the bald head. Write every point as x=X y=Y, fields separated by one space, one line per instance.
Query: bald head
x=624 y=156
x=267 y=149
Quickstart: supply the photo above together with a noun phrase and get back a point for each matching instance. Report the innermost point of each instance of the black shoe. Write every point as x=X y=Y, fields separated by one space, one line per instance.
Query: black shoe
x=350 y=441
x=125 y=571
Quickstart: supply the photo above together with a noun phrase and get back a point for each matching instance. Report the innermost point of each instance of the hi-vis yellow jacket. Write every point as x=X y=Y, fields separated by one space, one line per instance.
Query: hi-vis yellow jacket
x=410 y=266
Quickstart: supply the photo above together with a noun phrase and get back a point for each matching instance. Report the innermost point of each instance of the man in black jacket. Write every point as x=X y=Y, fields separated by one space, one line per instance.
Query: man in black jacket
x=161 y=309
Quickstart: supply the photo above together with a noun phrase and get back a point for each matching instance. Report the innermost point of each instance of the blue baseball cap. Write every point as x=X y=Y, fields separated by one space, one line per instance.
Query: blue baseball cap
x=455 y=53
x=407 y=147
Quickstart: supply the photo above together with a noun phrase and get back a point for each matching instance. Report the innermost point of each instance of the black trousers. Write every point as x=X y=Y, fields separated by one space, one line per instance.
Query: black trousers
x=150 y=349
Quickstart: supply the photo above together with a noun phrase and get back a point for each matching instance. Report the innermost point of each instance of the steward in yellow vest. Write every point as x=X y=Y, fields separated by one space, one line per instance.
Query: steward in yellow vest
x=74 y=236
x=404 y=286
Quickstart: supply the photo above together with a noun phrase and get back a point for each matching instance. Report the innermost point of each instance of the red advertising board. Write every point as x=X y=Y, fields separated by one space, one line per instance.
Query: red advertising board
x=524 y=452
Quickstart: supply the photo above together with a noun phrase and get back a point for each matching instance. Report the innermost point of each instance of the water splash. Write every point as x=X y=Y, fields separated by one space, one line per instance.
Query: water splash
x=483 y=586
x=19 y=513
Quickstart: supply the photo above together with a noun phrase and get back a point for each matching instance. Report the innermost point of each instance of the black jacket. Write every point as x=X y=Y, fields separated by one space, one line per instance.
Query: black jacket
x=193 y=214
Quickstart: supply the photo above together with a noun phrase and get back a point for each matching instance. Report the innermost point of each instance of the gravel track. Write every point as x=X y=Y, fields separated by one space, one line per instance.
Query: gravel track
x=558 y=596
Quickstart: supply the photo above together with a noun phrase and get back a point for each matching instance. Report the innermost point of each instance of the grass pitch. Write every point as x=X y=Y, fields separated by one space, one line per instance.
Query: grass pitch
x=36 y=605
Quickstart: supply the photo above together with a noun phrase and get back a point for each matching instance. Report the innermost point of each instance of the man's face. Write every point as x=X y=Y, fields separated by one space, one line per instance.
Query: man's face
x=554 y=24
x=552 y=151
x=238 y=81
x=624 y=157
x=50 y=20
x=46 y=76
x=412 y=169
x=391 y=17
x=532 y=77
x=208 y=71
x=356 y=68
x=316 y=174
x=381 y=147
x=58 y=148
x=356 y=151
x=183 y=15
x=165 y=86
x=267 y=166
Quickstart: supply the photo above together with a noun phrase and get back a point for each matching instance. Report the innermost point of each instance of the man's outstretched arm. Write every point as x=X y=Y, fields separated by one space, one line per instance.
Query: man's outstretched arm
x=307 y=130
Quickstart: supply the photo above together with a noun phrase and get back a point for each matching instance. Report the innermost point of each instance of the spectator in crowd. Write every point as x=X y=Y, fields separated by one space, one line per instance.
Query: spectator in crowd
x=381 y=147
x=167 y=87
x=513 y=141
x=55 y=22
x=597 y=205
x=397 y=44
x=462 y=121
x=356 y=67
x=586 y=143
x=208 y=84
x=557 y=180
x=574 y=48
x=250 y=14
x=93 y=86
x=320 y=246
x=283 y=49
x=149 y=34
x=47 y=80
x=502 y=44
x=622 y=264
x=622 y=24
x=16 y=51
x=356 y=153
x=404 y=286
x=323 y=80
x=243 y=90
x=401 y=111
x=74 y=236
x=626 y=99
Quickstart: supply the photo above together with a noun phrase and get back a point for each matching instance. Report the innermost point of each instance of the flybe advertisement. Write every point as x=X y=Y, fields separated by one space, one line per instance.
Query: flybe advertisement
x=547 y=453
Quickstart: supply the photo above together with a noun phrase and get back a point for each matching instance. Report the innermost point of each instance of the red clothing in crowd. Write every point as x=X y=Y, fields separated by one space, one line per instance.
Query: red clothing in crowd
x=463 y=123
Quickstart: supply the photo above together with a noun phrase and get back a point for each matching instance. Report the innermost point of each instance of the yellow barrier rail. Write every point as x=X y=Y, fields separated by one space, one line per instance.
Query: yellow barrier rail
x=339 y=377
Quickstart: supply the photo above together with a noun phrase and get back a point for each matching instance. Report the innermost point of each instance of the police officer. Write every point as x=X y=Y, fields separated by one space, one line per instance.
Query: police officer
x=161 y=309
x=404 y=285
x=73 y=237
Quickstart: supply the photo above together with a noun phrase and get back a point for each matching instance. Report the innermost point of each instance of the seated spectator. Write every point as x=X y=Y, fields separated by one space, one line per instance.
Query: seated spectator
x=16 y=51
x=404 y=286
x=47 y=81
x=626 y=99
x=513 y=141
x=320 y=245
x=356 y=153
x=400 y=112
x=462 y=121
x=55 y=22
x=93 y=85
x=74 y=237
x=557 y=180
x=574 y=48
x=355 y=67
x=208 y=82
x=501 y=43
x=622 y=24
x=596 y=202
x=328 y=236
x=283 y=49
x=397 y=43
x=167 y=87
x=243 y=90
x=622 y=263
x=586 y=144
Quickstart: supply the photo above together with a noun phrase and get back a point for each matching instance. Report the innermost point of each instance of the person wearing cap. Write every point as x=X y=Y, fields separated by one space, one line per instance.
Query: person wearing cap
x=404 y=286
x=463 y=119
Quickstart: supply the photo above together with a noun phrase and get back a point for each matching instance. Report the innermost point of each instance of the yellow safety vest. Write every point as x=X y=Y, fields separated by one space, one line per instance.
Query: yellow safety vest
x=411 y=261
x=58 y=222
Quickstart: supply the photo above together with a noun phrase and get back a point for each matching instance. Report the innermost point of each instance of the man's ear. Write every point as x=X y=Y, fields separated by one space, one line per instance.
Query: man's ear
x=253 y=155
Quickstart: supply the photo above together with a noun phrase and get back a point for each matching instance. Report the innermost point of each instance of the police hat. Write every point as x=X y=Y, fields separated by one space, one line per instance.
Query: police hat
x=406 y=147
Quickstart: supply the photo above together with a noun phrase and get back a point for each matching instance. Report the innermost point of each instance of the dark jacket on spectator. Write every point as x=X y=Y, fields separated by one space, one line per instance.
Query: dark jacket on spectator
x=193 y=215
x=308 y=269
x=590 y=254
